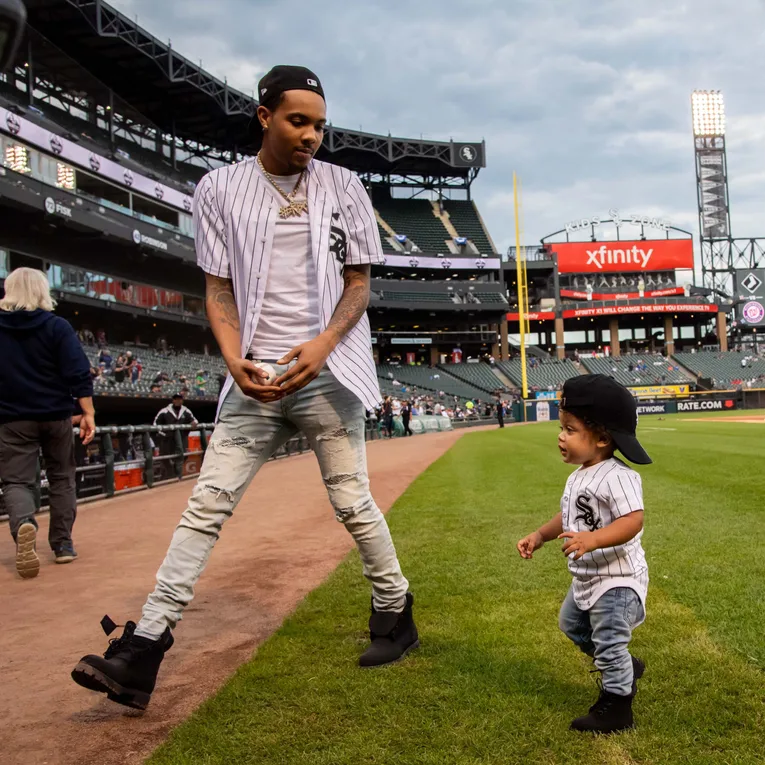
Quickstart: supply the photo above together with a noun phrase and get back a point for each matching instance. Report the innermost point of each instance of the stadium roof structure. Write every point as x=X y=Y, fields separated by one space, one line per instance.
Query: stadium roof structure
x=190 y=106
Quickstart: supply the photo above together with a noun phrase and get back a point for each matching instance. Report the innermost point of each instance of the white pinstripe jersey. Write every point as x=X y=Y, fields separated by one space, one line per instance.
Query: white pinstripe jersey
x=235 y=214
x=593 y=498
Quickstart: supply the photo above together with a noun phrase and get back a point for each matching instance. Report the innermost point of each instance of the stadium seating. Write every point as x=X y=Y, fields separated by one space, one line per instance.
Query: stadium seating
x=490 y=297
x=415 y=297
x=724 y=368
x=545 y=374
x=154 y=362
x=91 y=136
x=430 y=379
x=415 y=219
x=657 y=369
x=479 y=375
x=464 y=217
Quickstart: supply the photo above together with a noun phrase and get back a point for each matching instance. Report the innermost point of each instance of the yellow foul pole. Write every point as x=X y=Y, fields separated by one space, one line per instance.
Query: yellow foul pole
x=520 y=264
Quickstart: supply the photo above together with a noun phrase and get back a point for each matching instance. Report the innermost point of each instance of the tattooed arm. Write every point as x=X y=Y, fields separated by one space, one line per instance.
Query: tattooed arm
x=353 y=302
x=312 y=356
x=223 y=316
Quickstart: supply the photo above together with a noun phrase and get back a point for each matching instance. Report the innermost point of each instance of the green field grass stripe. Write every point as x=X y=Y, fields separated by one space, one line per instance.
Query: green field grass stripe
x=495 y=681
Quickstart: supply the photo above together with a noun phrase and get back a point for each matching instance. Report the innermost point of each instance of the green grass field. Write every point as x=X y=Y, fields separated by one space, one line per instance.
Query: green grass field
x=495 y=681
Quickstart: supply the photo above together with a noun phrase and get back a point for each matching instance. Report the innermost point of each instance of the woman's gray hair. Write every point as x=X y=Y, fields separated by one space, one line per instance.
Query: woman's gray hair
x=27 y=289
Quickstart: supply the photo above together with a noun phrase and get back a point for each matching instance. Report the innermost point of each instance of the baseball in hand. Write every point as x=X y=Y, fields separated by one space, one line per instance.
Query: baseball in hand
x=269 y=370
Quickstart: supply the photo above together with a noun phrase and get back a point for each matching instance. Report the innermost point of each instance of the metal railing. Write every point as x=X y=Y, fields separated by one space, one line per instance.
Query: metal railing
x=121 y=459
x=128 y=458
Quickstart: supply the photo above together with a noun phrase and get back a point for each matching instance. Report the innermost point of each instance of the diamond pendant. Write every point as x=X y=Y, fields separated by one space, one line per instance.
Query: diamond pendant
x=293 y=208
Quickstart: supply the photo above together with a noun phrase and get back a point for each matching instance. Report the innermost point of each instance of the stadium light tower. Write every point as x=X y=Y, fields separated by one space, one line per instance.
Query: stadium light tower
x=708 y=110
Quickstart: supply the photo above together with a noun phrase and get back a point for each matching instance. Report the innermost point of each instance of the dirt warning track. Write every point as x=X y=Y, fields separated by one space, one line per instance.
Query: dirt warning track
x=282 y=542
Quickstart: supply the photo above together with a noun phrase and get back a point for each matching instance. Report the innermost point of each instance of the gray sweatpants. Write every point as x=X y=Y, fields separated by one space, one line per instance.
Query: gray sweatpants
x=20 y=444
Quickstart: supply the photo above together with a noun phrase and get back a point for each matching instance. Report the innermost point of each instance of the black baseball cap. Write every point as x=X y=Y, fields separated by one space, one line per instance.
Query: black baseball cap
x=282 y=78
x=605 y=402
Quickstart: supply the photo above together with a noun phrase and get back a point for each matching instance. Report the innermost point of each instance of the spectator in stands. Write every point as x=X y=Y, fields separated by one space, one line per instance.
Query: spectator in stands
x=105 y=358
x=129 y=364
x=406 y=416
x=101 y=338
x=175 y=413
x=86 y=337
x=44 y=367
x=119 y=369
x=200 y=381
x=501 y=413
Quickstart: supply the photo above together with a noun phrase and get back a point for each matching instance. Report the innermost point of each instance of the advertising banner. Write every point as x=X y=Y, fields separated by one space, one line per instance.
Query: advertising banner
x=706 y=405
x=447 y=263
x=652 y=391
x=669 y=292
x=620 y=257
x=536 y=316
x=547 y=395
x=617 y=310
x=543 y=411
x=655 y=407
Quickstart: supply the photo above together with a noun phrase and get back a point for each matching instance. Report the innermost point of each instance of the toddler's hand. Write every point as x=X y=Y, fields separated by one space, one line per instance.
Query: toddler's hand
x=578 y=543
x=528 y=544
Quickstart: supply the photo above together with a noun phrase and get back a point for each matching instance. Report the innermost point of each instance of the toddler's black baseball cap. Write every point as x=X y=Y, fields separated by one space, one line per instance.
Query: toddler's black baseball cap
x=602 y=400
x=282 y=78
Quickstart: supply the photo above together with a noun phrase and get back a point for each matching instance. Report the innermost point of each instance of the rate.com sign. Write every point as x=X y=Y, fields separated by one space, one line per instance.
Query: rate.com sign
x=705 y=406
x=619 y=257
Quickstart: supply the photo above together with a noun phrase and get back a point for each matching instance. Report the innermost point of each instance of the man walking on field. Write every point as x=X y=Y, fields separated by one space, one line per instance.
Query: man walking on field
x=286 y=243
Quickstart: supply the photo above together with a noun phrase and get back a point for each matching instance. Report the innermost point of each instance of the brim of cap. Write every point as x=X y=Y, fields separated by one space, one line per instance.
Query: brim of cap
x=630 y=447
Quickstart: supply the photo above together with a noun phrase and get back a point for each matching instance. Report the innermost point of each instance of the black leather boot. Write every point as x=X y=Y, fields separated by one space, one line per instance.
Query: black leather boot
x=609 y=714
x=638 y=670
x=127 y=672
x=393 y=635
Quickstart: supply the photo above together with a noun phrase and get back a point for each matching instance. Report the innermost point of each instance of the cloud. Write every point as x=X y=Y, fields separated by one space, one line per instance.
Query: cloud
x=588 y=102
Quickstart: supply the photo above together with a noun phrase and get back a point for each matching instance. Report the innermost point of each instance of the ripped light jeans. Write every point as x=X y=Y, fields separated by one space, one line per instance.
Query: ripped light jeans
x=247 y=434
x=604 y=633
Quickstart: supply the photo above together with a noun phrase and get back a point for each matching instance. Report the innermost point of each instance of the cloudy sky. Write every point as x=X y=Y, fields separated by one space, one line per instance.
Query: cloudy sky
x=588 y=101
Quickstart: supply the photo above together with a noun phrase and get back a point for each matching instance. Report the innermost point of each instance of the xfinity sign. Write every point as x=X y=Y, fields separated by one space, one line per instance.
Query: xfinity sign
x=605 y=255
x=639 y=255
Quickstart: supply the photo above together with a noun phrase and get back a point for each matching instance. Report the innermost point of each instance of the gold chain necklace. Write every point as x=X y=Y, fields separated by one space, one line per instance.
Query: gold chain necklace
x=294 y=207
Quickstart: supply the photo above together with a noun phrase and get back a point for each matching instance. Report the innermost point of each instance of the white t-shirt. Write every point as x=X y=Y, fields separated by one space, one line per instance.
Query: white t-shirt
x=396 y=407
x=290 y=312
x=593 y=498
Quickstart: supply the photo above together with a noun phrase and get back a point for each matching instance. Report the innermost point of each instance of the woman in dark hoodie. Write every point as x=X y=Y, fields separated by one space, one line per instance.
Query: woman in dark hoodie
x=44 y=371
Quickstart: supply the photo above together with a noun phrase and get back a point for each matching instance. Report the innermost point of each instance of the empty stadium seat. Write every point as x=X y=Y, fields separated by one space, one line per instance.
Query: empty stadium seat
x=479 y=375
x=464 y=217
x=415 y=219
x=658 y=371
x=723 y=367
x=548 y=372
x=430 y=379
